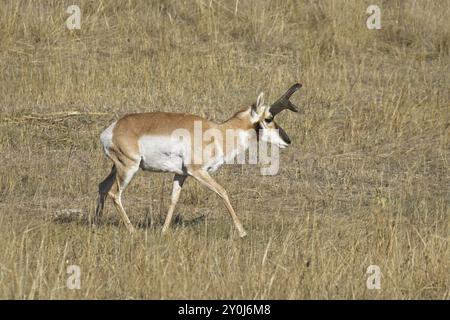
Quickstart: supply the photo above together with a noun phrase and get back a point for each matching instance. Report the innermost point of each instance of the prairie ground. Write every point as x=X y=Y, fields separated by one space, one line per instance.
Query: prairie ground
x=365 y=182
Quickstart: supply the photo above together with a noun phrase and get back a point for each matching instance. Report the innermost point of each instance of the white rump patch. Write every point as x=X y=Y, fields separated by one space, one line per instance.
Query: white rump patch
x=106 y=137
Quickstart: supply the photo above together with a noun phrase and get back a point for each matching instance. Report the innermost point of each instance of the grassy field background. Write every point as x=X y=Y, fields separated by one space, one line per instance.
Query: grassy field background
x=365 y=182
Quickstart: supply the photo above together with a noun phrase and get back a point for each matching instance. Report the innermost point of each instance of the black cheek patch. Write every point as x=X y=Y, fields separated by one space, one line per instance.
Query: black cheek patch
x=284 y=135
x=257 y=128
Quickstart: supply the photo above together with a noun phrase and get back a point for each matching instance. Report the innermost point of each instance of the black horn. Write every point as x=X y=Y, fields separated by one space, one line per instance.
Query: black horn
x=284 y=102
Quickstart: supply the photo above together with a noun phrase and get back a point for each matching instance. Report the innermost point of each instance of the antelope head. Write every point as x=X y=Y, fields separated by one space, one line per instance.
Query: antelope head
x=263 y=117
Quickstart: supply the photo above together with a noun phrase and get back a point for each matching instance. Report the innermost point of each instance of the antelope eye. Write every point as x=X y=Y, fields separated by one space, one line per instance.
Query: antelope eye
x=269 y=120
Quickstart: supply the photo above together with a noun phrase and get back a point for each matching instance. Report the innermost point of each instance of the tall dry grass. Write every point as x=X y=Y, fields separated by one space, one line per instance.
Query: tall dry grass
x=366 y=181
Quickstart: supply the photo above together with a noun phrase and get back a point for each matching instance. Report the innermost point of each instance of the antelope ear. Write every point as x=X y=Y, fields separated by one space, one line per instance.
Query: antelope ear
x=254 y=113
x=260 y=100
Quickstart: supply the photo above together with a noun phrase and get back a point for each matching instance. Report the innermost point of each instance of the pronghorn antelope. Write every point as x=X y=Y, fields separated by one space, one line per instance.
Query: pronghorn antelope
x=145 y=140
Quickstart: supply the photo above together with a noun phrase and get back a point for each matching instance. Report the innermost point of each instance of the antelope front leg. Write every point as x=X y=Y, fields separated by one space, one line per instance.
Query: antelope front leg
x=208 y=181
x=178 y=181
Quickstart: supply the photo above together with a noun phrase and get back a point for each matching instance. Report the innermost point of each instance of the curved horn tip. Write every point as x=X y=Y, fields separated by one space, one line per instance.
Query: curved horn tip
x=292 y=90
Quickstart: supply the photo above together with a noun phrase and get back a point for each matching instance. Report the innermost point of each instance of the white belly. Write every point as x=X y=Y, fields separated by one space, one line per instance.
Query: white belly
x=159 y=153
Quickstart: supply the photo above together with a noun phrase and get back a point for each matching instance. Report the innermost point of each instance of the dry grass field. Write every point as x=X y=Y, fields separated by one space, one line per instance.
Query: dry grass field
x=366 y=180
